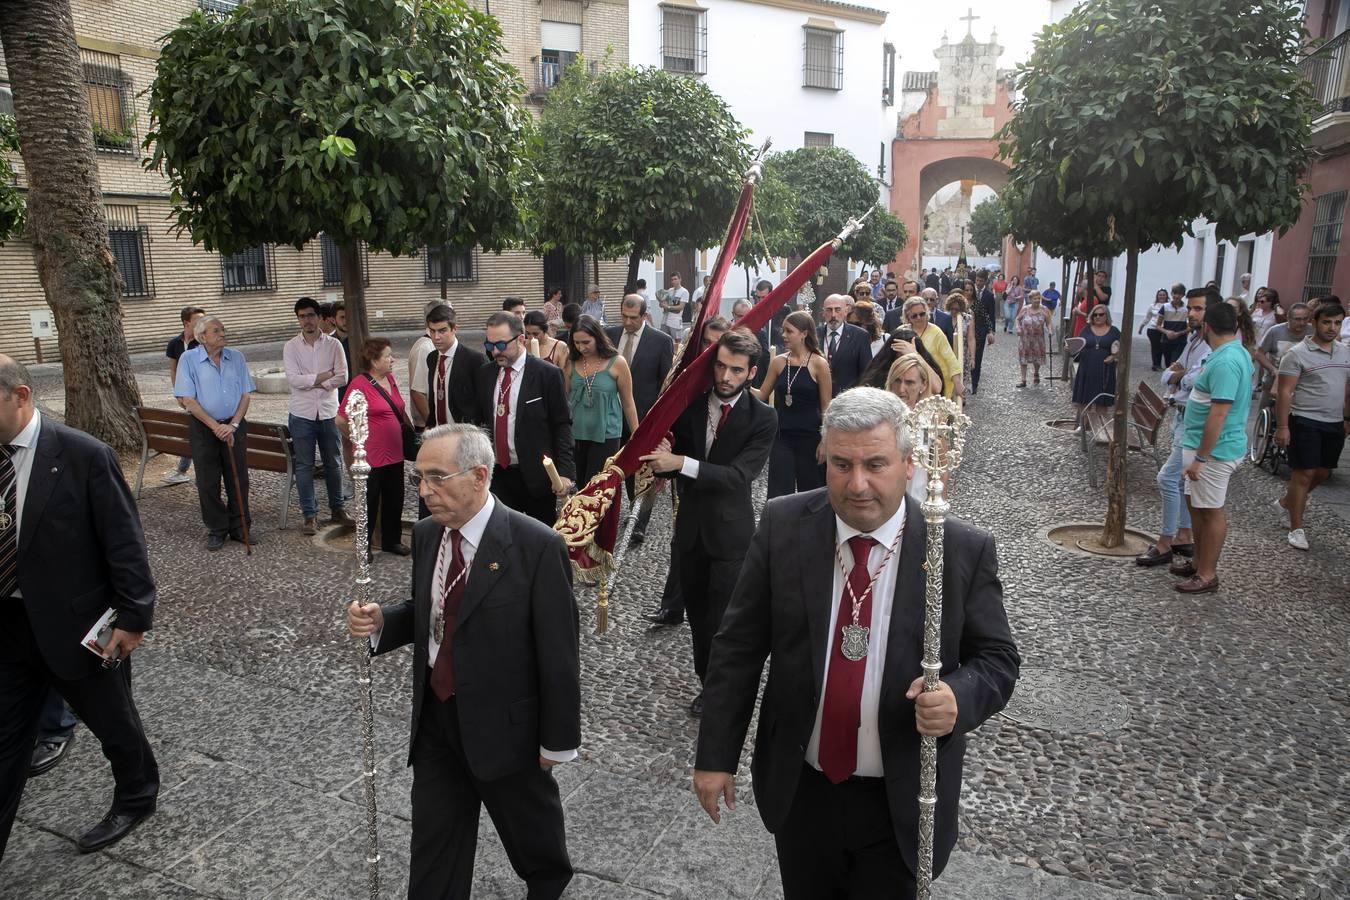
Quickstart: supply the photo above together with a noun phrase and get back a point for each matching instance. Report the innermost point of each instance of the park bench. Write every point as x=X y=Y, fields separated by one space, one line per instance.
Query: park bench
x=1096 y=427
x=269 y=446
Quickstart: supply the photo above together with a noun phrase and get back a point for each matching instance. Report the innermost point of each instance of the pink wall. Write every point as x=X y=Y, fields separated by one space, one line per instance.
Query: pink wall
x=1289 y=257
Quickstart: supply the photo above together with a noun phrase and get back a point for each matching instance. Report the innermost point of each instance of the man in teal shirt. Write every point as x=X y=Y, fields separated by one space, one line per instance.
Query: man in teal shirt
x=1213 y=442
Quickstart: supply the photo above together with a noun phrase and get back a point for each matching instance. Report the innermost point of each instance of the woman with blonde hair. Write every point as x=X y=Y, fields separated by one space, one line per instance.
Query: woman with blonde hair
x=915 y=313
x=912 y=379
x=1096 y=378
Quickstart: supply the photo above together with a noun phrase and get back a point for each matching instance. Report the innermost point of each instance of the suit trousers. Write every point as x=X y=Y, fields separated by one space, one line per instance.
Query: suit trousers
x=102 y=701
x=211 y=460
x=793 y=466
x=838 y=843
x=981 y=338
x=525 y=807
x=384 y=497
x=508 y=486
x=706 y=584
x=590 y=458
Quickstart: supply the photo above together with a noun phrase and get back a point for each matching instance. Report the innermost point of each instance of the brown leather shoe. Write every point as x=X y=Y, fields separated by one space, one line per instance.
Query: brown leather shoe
x=340 y=517
x=1197 y=585
x=310 y=528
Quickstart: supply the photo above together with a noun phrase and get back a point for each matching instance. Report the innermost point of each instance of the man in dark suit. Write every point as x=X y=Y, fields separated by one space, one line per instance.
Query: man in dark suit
x=847 y=347
x=985 y=311
x=496 y=684
x=839 y=729
x=521 y=399
x=937 y=315
x=71 y=548
x=649 y=353
x=721 y=443
x=931 y=280
x=445 y=384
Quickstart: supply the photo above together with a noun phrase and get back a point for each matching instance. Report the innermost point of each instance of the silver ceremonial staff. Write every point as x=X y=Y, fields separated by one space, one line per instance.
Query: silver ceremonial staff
x=940 y=426
x=359 y=424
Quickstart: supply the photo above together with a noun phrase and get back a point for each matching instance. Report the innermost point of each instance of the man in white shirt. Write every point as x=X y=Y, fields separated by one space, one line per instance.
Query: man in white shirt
x=418 y=354
x=833 y=590
x=315 y=367
x=673 y=304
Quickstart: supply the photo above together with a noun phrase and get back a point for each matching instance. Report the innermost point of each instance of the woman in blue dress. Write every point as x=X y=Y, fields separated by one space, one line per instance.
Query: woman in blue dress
x=1097 y=360
x=799 y=380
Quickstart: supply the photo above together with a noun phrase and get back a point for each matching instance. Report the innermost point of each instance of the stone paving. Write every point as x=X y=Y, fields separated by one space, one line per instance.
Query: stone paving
x=1157 y=745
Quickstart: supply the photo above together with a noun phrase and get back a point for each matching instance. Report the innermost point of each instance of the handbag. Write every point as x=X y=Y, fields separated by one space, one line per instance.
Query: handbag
x=412 y=441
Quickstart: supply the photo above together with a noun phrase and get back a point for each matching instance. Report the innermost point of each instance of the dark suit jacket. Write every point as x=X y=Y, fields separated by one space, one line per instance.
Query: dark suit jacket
x=894 y=319
x=944 y=323
x=715 y=508
x=931 y=280
x=852 y=357
x=651 y=363
x=762 y=363
x=462 y=385
x=81 y=548
x=781 y=607
x=516 y=663
x=543 y=420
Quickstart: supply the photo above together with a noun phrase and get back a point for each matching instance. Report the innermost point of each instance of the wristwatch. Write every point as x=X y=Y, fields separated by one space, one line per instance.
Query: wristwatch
x=1201 y=459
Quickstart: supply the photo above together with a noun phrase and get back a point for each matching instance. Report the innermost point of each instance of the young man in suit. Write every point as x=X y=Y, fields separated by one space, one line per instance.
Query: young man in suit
x=523 y=402
x=445 y=380
x=71 y=547
x=721 y=443
x=836 y=764
x=847 y=347
x=740 y=308
x=497 y=683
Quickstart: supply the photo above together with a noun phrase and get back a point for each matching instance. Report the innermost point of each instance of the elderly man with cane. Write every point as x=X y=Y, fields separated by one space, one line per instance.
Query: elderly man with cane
x=214 y=385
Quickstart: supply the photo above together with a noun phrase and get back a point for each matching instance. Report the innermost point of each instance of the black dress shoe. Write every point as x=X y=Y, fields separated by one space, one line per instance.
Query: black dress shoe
x=637 y=537
x=696 y=708
x=254 y=539
x=1186 y=550
x=665 y=616
x=1153 y=557
x=399 y=550
x=214 y=542
x=112 y=829
x=46 y=754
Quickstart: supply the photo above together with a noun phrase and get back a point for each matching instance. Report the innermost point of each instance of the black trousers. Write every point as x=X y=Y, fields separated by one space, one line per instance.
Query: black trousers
x=1171 y=350
x=526 y=810
x=211 y=462
x=508 y=486
x=706 y=584
x=793 y=466
x=1155 y=346
x=838 y=843
x=980 y=338
x=384 y=497
x=102 y=701
x=590 y=457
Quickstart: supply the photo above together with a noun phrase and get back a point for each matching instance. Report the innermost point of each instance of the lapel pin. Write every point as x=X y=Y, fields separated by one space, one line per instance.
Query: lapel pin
x=55 y=470
x=492 y=567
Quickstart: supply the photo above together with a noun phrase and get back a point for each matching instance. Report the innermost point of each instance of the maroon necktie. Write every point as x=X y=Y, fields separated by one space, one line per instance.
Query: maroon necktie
x=503 y=414
x=839 y=721
x=722 y=419
x=443 y=673
x=442 y=402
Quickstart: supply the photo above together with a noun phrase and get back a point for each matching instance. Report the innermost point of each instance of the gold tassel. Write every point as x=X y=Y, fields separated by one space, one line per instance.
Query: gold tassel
x=602 y=606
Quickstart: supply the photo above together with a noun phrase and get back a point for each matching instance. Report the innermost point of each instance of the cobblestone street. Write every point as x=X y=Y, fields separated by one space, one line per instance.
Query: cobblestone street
x=1158 y=745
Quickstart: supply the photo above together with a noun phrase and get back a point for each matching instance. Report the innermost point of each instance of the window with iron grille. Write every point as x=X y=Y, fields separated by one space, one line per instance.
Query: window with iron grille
x=332 y=261
x=249 y=270
x=110 y=110
x=823 y=59
x=888 y=74
x=1328 y=225
x=129 y=242
x=459 y=265
x=6 y=101
x=217 y=9
x=817 y=139
x=684 y=40
x=1220 y=257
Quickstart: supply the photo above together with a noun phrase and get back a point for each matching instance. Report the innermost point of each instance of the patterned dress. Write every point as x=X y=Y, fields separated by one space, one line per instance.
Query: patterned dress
x=1031 y=346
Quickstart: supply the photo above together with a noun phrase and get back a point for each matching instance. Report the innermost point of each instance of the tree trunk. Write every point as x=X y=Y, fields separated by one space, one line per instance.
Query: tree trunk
x=445 y=255
x=354 y=297
x=634 y=260
x=1113 y=533
x=65 y=218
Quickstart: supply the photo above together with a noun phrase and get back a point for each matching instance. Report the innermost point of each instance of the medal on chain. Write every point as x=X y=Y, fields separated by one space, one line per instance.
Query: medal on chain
x=854 y=637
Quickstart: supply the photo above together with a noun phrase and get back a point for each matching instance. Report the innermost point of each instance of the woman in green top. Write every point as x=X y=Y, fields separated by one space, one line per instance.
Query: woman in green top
x=600 y=391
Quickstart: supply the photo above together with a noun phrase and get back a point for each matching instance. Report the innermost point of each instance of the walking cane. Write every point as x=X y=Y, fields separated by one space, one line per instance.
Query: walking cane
x=239 y=497
x=941 y=428
x=359 y=427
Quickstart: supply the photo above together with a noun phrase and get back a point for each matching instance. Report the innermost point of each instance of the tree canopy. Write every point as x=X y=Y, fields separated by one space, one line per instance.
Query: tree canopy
x=831 y=186
x=879 y=241
x=989 y=225
x=630 y=160
x=11 y=201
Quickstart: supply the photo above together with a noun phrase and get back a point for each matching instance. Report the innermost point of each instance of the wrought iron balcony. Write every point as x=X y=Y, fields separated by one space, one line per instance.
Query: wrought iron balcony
x=1328 y=68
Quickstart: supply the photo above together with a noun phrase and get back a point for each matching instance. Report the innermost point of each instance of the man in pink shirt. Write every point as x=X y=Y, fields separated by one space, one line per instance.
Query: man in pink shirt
x=315 y=367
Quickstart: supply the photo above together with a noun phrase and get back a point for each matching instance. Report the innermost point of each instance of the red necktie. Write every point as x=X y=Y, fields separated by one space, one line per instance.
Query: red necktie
x=442 y=402
x=503 y=414
x=722 y=419
x=840 y=719
x=443 y=673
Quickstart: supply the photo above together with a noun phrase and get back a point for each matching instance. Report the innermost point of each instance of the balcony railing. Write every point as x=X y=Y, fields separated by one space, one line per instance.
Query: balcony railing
x=1326 y=68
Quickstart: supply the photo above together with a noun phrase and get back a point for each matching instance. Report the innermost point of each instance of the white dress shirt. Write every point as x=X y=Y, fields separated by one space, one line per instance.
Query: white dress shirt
x=635 y=338
x=24 y=448
x=869 y=735
x=689 y=468
x=422 y=375
x=302 y=362
x=517 y=376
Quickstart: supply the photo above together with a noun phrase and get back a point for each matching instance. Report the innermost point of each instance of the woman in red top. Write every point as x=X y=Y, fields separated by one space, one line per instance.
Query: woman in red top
x=384 y=446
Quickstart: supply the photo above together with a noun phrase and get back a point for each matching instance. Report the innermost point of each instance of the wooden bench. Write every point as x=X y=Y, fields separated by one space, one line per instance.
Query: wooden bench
x=269 y=446
x=1096 y=426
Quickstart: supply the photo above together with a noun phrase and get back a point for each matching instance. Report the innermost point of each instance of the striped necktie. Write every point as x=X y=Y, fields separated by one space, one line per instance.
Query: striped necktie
x=9 y=524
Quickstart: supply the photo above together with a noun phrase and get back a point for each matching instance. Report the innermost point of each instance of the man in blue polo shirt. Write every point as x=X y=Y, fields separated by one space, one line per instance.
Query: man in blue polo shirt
x=1213 y=442
x=213 y=384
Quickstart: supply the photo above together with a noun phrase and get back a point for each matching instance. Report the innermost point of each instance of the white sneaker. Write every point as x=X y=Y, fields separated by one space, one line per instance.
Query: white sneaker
x=1284 y=513
x=176 y=477
x=1298 y=540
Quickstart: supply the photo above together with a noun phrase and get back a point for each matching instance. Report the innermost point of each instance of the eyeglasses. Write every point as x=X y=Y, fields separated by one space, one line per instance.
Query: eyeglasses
x=497 y=346
x=416 y=478
x=917 y=315
x=1099 y=315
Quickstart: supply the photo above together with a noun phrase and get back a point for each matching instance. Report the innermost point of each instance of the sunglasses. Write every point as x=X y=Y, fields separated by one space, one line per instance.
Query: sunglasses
x=918 y=315
x=497 y=346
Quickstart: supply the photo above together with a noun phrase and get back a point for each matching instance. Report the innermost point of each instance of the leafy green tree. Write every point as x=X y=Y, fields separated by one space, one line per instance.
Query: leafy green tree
x=989 y=225
x=879 y=241
x=11 y=201
x=771 y=233
x=831 y=187
x=382 y=122
x=64 y=217
x=1135 y=118
x=630 y=160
